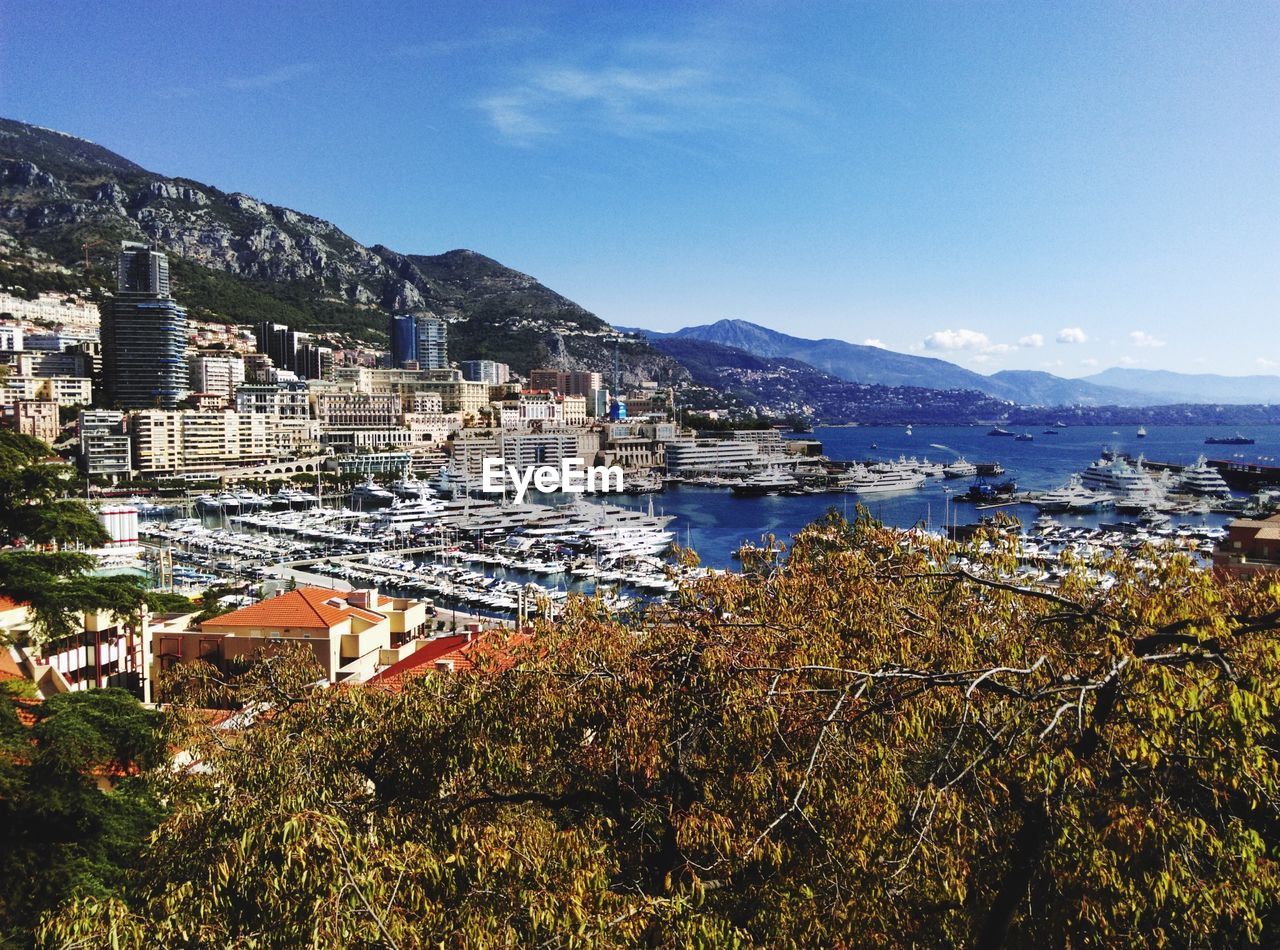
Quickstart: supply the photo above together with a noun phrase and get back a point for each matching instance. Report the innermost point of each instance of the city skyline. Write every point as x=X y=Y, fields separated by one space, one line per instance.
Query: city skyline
x=1004 y=187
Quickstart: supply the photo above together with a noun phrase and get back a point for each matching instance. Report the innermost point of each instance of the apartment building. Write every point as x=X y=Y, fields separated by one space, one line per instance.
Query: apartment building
x=105 y=447
x=64 y=390
x=347 y=409
x=217 y=376
x=485 y=371
x=179 y=441
x=288 y=400
x=37 y=418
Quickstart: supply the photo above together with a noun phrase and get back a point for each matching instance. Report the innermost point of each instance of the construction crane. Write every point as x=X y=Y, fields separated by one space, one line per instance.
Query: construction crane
x=92 y=242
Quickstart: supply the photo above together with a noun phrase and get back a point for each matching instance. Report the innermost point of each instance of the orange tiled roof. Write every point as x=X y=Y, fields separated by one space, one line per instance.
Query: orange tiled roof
x=9 y=670
x=459 y=651
x=307 y=608
x=8 y=603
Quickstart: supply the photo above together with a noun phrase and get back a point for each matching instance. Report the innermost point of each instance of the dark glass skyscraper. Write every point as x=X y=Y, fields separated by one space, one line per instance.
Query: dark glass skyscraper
x=404 y=339
x=144 y=334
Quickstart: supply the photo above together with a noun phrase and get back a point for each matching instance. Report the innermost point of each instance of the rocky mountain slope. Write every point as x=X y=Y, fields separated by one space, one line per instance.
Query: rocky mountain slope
x=244 y=259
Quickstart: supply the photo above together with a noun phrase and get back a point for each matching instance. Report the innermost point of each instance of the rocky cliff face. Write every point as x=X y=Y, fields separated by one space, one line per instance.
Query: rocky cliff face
x=58 y=192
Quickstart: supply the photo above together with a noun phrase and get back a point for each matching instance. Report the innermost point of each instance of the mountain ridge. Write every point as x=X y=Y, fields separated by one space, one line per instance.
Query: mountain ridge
x=257 y=260
x=870 y=364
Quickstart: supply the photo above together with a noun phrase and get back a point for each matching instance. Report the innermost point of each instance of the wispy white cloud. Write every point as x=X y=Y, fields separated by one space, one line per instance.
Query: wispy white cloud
x=1142 y=338
x=639 y=89
x=250 y=82
x=872 y=341
x=1265 y=363
x=1032 y=339
x=495 y=39
x=1072 y=335
x=1089 y=361
x=269 y=79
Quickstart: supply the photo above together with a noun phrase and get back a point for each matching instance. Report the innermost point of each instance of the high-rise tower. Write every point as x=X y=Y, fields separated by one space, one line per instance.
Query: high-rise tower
x=144 y=334
x=433 y=342
x=404 y=339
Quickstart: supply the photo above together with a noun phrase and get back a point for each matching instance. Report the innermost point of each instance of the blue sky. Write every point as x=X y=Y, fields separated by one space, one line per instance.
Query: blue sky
x=1009 y=185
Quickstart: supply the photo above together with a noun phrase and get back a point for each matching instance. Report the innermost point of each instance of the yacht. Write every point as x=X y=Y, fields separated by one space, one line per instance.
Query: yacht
x=371 y=495
x=769 y=482
x=1117 y=477
x=406 y=515
x=1236 y=439
x=960 y=469
x=1203 y=479
x=1024 y=437
x=1001 y=432
x=908 y=430
x=929 y=469
x=411 y=488
x=1142 y=432
x=1073 y=496
x=864 y=481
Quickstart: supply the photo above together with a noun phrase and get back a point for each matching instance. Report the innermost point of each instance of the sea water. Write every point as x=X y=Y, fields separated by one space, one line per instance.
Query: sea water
x=715 y=523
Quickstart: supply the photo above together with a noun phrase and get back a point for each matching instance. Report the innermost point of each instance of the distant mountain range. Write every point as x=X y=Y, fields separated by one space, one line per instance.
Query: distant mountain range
x=874 y=365
x=1168 y=386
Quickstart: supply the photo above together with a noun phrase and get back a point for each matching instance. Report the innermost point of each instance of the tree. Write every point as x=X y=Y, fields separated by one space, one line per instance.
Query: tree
x=64 y=836
x=877 y=738
x=40 y=533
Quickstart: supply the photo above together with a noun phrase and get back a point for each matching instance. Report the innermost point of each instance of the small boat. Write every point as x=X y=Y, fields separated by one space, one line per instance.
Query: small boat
x=908 y=429
x=997 y=431
x=1059 y=424
x=1024 y=437
x=1049 y=432
x=1142 y=432
x=1236 y=439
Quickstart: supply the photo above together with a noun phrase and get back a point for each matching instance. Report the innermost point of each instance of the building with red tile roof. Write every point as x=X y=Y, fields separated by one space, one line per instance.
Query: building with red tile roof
x=451 y=654
x=350 y=632
x=9 y=669
x=1252 y=545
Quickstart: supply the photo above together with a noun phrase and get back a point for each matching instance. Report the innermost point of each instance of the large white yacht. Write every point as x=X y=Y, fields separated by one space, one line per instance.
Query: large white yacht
x=865 y=481
x=1203 y=479
x=1072 y=497
x=1118 y=476
x=405 y=515
x=960 y=468
x=370 y=494
x=769 y=482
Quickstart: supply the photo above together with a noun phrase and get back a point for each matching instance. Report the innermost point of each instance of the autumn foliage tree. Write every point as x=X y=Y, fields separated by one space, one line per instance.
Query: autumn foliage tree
x=877 y=738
